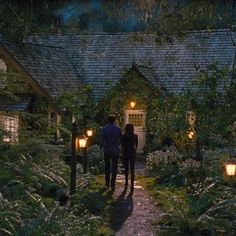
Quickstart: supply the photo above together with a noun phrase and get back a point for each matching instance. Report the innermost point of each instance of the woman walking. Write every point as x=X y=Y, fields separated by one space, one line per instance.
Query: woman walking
x=129 y=143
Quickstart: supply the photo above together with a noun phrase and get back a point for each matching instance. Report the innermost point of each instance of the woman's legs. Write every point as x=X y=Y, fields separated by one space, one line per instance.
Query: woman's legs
x=132 y=165
x=126 y=165
x=129 y=164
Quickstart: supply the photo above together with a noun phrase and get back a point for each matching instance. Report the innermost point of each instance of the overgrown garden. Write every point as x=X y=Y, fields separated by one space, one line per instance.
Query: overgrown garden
x=188 y=174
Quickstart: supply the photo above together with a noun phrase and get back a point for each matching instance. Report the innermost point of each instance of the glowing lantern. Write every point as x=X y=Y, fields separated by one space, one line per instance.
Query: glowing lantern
x=89 y=132
x=132 y=104
x=81 y=142
x=191 y=134
x=230 y=167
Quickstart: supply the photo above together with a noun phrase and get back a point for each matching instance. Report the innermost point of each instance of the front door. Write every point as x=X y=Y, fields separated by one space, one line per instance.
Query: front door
x=137 y=118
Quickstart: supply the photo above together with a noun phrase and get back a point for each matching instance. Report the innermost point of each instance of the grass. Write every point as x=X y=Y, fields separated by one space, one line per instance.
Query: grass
x=108 y=202
x=160 y=193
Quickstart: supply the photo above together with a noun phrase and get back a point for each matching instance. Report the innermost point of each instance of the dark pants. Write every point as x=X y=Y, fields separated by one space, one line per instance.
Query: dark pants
x=110 y=170
x=129 y=163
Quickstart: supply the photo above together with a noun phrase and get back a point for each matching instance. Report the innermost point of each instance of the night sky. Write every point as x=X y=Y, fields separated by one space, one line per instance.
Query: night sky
x=93 y=16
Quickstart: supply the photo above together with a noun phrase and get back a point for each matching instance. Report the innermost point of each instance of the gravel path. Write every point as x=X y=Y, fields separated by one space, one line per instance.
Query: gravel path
x=135 y=211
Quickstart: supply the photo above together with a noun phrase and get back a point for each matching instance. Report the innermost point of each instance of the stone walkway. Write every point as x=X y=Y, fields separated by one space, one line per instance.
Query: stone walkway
x=135 y=211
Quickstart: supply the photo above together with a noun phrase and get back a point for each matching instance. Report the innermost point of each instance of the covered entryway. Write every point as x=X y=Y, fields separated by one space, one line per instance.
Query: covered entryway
x=137 y=118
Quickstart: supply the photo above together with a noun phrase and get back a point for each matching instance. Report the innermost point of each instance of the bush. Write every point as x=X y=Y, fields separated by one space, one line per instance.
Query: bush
x=191 y=170
x=164 y=165
x=95 y=160
x=209 y=209
x=33 y=194
x=214 y=161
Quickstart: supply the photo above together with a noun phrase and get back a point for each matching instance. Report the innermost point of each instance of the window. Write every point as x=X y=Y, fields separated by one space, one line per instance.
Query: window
x=10 y=126
x=136 y=119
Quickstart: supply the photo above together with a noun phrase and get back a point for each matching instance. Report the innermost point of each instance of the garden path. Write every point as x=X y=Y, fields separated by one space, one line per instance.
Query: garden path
x=134 y=213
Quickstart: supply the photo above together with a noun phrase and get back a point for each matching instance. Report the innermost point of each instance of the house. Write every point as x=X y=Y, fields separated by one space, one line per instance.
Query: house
x=50 y=65
x=42 y=73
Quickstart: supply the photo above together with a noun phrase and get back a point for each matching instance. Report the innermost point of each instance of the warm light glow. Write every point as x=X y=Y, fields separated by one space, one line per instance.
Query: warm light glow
x=230 y=168
x=81 y=142
x=10 y=125
x=132 y=104
x=190 y=134
x=89 y=132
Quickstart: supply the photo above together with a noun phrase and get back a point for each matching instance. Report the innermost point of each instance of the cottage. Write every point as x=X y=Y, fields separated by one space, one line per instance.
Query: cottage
x=50 y=65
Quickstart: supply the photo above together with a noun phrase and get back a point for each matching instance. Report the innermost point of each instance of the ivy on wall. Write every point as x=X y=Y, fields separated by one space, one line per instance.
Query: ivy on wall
x=212 y=99
x=135 y=87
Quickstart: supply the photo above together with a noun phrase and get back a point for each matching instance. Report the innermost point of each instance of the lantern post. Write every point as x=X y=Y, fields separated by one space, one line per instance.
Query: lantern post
x=73 y=160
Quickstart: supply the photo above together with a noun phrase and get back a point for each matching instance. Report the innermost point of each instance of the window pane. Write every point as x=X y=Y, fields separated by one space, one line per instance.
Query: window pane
x=10 y=125
x=136 y=119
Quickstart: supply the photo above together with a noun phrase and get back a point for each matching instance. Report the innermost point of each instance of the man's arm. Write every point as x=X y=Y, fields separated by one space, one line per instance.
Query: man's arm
x=120 y=136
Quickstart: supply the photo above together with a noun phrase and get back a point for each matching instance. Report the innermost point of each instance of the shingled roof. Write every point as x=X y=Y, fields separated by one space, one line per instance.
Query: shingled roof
x=60 y=62
x=100 y=59
x=49 y=66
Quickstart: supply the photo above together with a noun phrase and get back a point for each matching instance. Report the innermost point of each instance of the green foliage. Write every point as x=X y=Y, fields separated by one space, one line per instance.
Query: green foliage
x=211 y=97
x=205 y=205
x=166 y=120
x=191 y=170
x=207 y=213
x=33 y=194
x=164 y=165
x=95 y=160
x=214 y=161
x=214 y=103
x=79 y=103
x=128 y=89
x=33 y=17
x=26 y=18
x=192 y=15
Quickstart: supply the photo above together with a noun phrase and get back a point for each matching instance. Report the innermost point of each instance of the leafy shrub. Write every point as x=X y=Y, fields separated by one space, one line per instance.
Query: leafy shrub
x=163 y=164
x=214 y=161
x=35 y=179
x=191 y=170
x=211 y=210
x=95 y=160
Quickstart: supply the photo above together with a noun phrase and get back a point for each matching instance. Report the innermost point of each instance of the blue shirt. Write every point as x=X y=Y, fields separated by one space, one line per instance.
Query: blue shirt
x=111 y=138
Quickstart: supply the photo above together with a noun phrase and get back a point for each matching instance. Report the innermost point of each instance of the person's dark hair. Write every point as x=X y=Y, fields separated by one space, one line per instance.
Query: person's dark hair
x=111 y=119
x=129 y=129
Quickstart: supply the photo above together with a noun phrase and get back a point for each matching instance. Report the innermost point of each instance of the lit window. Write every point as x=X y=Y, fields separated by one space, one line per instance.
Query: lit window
x=10 y=126
x=136 y=119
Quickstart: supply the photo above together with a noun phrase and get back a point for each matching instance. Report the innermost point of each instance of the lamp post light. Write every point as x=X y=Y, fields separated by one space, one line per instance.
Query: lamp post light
x=230 y=167
x=89 y=132
x=73 y=160
x=81 y=143
x=191 y=134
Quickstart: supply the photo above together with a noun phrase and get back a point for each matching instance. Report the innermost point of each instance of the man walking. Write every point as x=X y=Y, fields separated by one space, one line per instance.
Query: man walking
x=111 y=138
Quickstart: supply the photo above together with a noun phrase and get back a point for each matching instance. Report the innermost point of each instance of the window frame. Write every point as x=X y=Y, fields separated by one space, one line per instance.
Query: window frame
x=10 y=124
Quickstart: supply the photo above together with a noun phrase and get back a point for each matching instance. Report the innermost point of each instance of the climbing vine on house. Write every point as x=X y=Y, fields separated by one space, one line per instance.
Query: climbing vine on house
x=213 y=101
x=135 y=87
